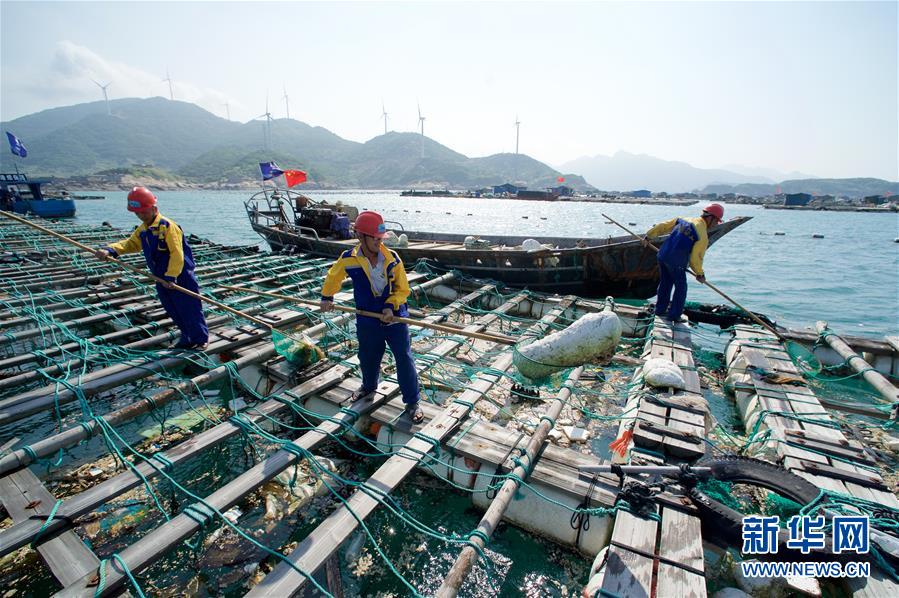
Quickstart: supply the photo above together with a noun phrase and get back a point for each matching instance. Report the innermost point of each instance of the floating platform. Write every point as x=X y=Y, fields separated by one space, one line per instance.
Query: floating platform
x=119 y=453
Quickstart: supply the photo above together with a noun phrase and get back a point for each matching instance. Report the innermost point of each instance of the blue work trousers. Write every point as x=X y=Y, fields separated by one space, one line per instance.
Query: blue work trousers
x=669 y=306
x=374 y=337
x=185 y=311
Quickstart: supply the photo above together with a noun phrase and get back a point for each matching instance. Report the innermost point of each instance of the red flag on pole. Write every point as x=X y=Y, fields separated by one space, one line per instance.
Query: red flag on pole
x=294 y=177
x=561 y=179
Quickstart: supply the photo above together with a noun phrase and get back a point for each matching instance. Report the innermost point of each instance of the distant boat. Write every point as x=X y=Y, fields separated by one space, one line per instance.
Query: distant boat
x=22 y=195
x=598 y=267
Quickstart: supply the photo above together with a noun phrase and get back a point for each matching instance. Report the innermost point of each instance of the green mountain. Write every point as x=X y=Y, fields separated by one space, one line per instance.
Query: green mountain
x=197 y=147
x=859 y=187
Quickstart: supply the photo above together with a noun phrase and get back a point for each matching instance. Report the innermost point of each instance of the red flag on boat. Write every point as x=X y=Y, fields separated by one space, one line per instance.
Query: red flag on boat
x=294 y=177
x=561 y=179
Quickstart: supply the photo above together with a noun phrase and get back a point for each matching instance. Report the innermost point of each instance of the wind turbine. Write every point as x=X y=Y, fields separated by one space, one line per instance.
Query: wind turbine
x=228 y=110
x=421 y=121
x=105 y=95
x=267 y=130
x=517 y=127
x=286 y=102
x=384 y=116
x=171 y=90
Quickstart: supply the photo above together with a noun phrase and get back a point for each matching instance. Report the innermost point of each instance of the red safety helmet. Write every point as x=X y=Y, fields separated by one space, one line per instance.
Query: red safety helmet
x=714 y=209
x=371 y=224
x=141 y=199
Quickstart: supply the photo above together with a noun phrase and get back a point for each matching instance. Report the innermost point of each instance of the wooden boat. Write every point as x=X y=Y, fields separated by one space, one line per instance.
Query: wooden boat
x=597 y=267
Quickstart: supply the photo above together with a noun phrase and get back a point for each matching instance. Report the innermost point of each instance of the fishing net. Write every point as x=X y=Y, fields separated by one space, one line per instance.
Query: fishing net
x=804 y=359
x=743 y=500
x=297 y=349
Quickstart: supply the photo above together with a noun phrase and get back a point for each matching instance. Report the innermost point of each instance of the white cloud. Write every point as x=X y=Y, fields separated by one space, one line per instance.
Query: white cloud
x=69 y=76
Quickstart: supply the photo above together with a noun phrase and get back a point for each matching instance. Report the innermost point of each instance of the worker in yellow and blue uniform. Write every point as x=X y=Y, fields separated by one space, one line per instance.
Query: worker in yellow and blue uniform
x=379 y=285
x=686 y=245
x=170 y=258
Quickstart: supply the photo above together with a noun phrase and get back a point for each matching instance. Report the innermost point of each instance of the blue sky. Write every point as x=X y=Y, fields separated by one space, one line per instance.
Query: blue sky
x=803 y=86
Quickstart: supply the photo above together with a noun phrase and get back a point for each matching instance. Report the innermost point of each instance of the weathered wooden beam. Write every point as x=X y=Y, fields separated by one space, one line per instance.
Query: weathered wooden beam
x=156 y=543
x=22 y=533
x=25 y=498
x=48 y=446
x=469 y=556
x=315 y=549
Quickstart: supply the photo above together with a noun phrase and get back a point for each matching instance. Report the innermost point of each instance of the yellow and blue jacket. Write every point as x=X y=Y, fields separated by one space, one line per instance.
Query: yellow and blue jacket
x=164 y=246
x=687 y=243
x=354 y=264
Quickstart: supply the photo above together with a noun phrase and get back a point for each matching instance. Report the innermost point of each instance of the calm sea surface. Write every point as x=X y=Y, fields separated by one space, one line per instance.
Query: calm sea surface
x=849 y=278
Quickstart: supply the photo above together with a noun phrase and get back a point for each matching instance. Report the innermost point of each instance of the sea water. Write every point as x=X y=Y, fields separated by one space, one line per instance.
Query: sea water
x=850 y=278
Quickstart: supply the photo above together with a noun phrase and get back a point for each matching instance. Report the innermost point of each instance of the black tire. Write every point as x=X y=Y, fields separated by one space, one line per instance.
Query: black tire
x=724 y=525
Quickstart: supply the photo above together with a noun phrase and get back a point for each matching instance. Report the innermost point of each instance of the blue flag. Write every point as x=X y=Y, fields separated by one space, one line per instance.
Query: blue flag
x=269 y=170
x=15 y=146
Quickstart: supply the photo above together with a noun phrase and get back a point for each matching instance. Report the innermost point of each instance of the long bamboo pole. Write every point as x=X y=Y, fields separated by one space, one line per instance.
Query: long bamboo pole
x=758 y=320
x=858 y=363
x=139 y=271
x=501 y=339
x=469 y=556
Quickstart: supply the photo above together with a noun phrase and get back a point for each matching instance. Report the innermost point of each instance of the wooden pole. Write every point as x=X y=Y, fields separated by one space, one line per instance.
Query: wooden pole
x=758 y=320
x=857 y=363
x=156 y=542
x=313 y=551
x=501 y=339
x=139 y=271
x=469 y=556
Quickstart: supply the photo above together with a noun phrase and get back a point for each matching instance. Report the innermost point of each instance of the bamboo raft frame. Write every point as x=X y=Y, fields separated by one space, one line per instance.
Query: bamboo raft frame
x=669 y=424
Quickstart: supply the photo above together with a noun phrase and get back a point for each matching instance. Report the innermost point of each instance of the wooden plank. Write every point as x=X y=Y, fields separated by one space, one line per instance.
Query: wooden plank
x=877 y=585
x=635 y=532
x=334 y=530
x=557 y=467
x=627 y=574
x=690 y=418
x=867 y=479
x=679 y=539
x=168 y=535
x=149 y=548
x=67 y=557
x=694 y=403
x=830 y=449
x=680 y=583
x=85 y=502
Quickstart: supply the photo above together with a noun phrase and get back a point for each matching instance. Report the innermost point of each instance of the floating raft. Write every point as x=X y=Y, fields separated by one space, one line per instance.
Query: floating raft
x=663 y=557
x=104 y=428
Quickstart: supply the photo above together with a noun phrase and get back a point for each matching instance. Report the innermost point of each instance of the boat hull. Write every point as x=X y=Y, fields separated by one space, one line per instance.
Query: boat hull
x=619 y=267
x=46 y=208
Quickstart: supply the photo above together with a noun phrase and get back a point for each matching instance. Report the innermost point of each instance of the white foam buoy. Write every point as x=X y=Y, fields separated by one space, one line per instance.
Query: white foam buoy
x=592 y=337
x=663 y=373
x=531 y=245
